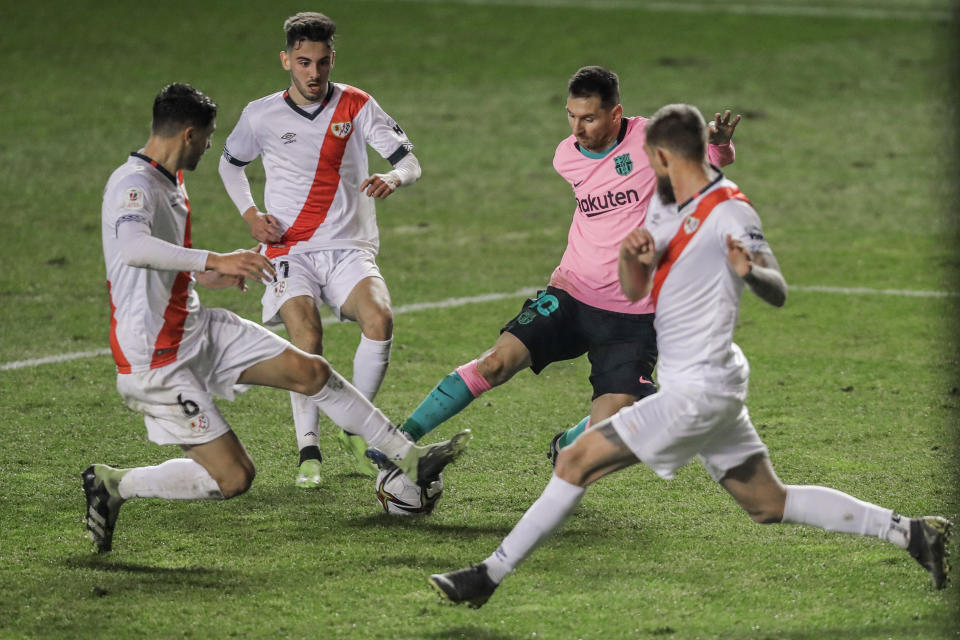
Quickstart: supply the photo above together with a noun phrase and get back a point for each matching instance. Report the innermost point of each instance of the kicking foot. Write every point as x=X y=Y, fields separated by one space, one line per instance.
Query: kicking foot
x=929 y=536
x=471 y=585
x=103 y=503
x=554 y=450
x=429 y=461
x=308 y=475
x=356 y=447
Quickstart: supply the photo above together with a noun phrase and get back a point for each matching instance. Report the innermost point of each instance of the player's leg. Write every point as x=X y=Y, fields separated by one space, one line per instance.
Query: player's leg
x=598 y=453
x=623 y=354
x=469 y=381
x=534 y=338
x=302 y=320
x=757 y=489
x=312 y=376
x=368 y=303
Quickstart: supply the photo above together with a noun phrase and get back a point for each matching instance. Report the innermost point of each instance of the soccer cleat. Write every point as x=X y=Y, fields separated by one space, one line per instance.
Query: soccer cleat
x=103 y=504
x=308 y=476
x=429 y=461
x=929 y=536
x=356 y=447
x=471 y=585
x=554 y=449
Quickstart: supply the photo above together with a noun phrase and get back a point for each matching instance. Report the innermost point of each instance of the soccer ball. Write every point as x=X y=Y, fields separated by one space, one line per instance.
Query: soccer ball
x=399 y=496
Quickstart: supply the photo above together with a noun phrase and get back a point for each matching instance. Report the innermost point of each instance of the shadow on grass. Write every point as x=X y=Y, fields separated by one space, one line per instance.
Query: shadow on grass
x=469 y=633
x=105 y=563
x=114 y=576
x=423 y=522
x=924 y=629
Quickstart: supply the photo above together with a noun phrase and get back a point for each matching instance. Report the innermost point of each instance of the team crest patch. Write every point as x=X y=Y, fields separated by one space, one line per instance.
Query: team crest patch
x=279 y=287
x=133 y=198
x=341 y=129
x=690 y=225
x=623 y=164
x=200 y=424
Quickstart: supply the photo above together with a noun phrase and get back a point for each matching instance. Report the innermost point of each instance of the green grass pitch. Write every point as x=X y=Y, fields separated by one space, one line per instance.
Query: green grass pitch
x=843 y=148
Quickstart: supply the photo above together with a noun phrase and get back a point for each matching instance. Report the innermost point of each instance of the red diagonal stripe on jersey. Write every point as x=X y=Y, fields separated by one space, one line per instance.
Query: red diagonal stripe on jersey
x=326 y=179
x=175 y=315
x=680 y=241
x=123 y=365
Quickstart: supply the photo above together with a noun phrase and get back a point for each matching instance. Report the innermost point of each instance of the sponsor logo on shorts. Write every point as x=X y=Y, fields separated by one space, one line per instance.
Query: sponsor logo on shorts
x=644 y=380
x=690 y=225
x=341 y=129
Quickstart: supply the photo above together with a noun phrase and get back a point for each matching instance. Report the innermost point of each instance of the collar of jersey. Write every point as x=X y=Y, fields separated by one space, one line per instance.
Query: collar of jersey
x=306 y=114
x=156 y=165
x=593 y=155
x=704 y=190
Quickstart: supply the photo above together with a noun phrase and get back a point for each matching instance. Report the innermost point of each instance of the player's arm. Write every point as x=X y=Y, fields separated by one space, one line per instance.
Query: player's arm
x=721 y=151
x=759 y=270
x=635 y=266
x=405 y=172
x=263 y=226
x=138 y=247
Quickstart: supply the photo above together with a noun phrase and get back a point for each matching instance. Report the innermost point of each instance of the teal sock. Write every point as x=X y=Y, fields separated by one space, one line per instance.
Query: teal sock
x=573 y=433
x=446 y=400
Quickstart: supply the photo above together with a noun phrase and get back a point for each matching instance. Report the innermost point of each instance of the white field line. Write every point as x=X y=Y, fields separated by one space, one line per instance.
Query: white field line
x=491 y=297
x=894 y=12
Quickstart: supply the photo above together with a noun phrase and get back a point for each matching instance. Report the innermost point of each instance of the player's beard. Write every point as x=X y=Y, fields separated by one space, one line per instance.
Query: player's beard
x=665 y=190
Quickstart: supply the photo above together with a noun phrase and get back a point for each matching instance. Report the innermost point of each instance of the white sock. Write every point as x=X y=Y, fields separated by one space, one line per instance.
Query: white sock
x=305 y=414
x=370 y=365
x=177 y=479
x=836 y=511
x=352 y=412
x=551 y=509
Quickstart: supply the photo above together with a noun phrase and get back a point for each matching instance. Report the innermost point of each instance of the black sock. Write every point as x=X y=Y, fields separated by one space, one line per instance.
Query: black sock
x=310 y=453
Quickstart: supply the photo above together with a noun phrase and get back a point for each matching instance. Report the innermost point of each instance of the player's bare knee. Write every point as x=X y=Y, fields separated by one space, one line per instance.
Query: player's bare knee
x=494 y=368
x=764 y=513
x=237 y=481
x=311 y=374
x=572 y=467
x=379 y=326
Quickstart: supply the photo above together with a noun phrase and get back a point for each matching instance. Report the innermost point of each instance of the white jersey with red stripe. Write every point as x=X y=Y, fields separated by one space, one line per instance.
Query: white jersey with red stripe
x=696 y=292
x=315 y=161
x=152 y=312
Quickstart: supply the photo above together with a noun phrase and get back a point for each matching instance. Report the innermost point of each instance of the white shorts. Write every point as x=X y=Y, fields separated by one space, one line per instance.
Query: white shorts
x=667 y=429
x=177 y=399
x=327 y=276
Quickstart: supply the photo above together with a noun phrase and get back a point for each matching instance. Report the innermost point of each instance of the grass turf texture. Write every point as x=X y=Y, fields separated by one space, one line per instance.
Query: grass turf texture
x=841 y=150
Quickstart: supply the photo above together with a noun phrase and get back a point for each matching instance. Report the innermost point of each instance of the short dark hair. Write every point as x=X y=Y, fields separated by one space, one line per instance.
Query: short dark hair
x=596 y=81
x=681 y=129
x=179 y=106
x=309 y=25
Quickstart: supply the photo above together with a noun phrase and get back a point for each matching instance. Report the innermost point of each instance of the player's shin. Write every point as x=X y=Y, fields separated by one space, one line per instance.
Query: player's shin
x=448 y=398
x=836 y=511
x=305 y=414
x=370 y=365
x=352 y=412
x=551 y=510
x=177 y=479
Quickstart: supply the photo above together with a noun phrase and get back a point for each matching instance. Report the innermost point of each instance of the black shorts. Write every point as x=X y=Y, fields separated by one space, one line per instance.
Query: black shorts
x=622 y=347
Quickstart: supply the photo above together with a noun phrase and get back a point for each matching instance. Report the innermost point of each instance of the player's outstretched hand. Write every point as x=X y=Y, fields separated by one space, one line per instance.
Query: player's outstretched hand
x=721 y=128
x=639 y=244
x=739 y=256
x=243 y=264
x=379 y=185
x=263 y=226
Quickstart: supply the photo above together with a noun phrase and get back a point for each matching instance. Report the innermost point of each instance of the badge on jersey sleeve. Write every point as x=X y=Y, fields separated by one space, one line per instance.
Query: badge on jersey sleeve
x=341 y=129
x=133 y=198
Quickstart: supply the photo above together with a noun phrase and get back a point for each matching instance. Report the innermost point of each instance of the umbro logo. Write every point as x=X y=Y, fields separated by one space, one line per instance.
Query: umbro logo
x=288 y=137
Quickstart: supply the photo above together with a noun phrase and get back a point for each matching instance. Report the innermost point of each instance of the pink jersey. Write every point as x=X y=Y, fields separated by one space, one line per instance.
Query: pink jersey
x=612 y=194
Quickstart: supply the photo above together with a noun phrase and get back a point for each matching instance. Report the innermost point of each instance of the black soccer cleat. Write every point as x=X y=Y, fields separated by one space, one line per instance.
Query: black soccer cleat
x=102 y=507
x=929 y=536
x=554 y=450
x=471 y=585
